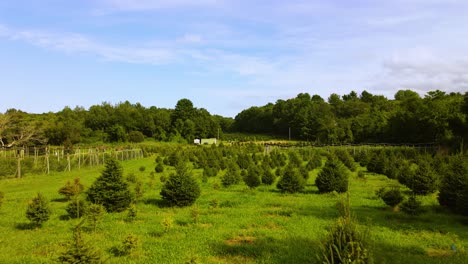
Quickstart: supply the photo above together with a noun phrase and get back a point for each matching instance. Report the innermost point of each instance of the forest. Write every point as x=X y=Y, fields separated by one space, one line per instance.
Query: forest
x=437 y=117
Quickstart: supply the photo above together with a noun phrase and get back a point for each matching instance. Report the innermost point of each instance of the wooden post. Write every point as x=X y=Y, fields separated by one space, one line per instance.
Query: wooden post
x=79 y=159
x=68 y=161
x=47 y=160
x=18 y=167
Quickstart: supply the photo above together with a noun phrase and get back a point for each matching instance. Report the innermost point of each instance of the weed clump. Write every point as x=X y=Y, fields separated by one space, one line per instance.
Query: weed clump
x=345 y=243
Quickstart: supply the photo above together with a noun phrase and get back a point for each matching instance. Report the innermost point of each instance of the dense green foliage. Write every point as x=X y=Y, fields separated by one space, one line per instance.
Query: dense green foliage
x=181 y=189
x=110 y=189
x=454 y=186
x=291 y=181
x=412 y=206
x=392 y=197
x=363 y=118
x=351 y=118
x=333 y=177
x=38 y=211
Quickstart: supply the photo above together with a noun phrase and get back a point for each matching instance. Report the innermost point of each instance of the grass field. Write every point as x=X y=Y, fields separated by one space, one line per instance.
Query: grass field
x=236 y=225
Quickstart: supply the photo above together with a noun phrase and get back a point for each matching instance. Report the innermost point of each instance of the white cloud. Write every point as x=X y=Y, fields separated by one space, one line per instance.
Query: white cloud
x=424 y=70
x=72 y=43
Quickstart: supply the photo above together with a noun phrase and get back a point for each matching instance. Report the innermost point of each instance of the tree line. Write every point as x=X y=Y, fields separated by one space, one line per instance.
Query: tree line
x=437 y=117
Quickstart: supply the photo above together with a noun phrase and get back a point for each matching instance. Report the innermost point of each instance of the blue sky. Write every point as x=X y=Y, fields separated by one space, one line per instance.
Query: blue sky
x=225 y=55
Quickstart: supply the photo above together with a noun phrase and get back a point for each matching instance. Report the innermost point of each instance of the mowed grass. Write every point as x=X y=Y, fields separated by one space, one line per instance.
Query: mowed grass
x=235 y=225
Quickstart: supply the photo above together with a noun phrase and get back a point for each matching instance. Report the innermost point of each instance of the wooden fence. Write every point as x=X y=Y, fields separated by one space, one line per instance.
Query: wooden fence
x=46 y=159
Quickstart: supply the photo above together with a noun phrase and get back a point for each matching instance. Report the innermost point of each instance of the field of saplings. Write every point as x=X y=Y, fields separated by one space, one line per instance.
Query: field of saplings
x=242 y=204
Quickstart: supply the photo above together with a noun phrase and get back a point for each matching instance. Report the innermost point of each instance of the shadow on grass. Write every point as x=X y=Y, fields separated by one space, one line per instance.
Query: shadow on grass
x=158 y=202
x=268 y=250
x=431 y=220
x=60 y=200
x=26 y=226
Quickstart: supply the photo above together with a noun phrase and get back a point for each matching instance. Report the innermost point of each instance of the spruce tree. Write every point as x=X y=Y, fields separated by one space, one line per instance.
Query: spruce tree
x=333 y=177
x=110 y=189
x=292 y=181
x=38 y=211
x=80 y=251
x=253 y=177
x=181 y=189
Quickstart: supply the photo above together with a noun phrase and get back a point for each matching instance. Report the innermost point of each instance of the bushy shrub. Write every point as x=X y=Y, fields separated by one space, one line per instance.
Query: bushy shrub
x=292 y=181
x=314 y=163
x=38 y=211
x=454 y=186
x=129 y=246
x=346 y=159
x=181 y=189
x=424 y=180
x=159 y=168
x=231 y=177
x=76 y=208
x=333 y=177
x=136 y=137
x=294 y=159
x=412 y=206
x=392 y=197
x=210 y=172
x=71 y=189
x=253 y=177
x=377 y=162
x=268 y=177
x=110 y=189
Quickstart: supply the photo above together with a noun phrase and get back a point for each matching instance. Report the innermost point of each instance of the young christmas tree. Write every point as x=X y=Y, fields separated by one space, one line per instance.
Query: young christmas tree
x=38 y=211
x=110 y=189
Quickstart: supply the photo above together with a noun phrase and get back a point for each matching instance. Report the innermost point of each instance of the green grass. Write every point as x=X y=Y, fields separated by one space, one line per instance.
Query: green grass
x=261 y=226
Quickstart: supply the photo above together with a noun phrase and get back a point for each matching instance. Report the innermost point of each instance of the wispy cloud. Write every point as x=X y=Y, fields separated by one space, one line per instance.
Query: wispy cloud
x=73 y=43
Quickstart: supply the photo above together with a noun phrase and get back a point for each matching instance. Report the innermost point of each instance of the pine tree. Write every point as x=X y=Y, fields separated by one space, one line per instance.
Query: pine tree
x=110 y=189
x=292 y=181
x=333 y=177
x=38 y=211
x=181 y=189
x=70 y=190
x=79 y=251
x=253 y=178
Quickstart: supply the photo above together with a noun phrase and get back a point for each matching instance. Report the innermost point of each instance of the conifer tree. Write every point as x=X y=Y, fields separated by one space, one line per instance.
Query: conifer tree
x=333 y=177
x=110 y=189
x=38 y=211
x=79 y=251
x=292 y=181
x=181 y=189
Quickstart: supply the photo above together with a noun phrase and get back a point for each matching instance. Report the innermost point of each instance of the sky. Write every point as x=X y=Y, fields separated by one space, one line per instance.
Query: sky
x=225 y=55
